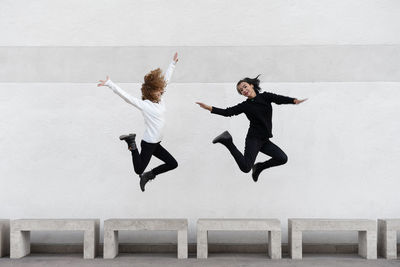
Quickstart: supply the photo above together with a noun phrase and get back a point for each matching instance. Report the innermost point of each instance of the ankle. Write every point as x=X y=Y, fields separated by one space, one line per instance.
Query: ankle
x=132 y=147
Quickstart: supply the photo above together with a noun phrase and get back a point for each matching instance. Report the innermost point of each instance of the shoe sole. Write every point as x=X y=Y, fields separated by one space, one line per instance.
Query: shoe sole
x=126 y=136
x=215 y=140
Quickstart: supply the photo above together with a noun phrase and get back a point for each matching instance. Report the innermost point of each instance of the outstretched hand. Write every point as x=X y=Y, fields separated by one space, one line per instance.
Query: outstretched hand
x=102 y=83
x=298 y=101
x=209 y=108
x=176 y=57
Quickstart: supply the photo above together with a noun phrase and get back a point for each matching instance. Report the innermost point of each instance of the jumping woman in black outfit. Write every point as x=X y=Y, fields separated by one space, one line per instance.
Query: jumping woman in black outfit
x=258 y=110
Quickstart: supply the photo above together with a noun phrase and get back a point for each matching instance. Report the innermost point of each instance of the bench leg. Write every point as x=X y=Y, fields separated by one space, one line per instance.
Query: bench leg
x=4 y=239
x=182 y=244
x=274 y=244
x=20 y=244
x=295 y=244
x=202 y=244
x=390 y=245
x=367 y=244
x=89 y=244
x=387 y=241
x=110 y=244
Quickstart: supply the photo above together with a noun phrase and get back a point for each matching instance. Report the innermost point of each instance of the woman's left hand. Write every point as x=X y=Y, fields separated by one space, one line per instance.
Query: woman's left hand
x=297 y=101
x=176 y=57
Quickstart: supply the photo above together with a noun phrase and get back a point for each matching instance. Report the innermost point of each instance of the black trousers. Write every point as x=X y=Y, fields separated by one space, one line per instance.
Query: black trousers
x=252 y=147
x=140 y=161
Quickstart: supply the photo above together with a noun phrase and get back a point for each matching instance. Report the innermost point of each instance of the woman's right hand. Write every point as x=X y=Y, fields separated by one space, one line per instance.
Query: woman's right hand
x=102 y=83
x=209 y=108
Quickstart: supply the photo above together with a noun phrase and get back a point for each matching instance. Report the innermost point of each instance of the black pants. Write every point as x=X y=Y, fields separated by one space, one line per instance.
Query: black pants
x=252 y=147
x=140 y=161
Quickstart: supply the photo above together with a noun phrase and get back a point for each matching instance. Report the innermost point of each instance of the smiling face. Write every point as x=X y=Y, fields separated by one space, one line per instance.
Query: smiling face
x=246 y=89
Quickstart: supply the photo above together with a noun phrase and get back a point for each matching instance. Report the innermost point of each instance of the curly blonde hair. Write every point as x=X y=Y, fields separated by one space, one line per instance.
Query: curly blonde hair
x=153 y=82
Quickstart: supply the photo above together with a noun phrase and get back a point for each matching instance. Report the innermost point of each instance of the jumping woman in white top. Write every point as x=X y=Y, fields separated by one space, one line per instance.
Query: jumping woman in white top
x=153 y=108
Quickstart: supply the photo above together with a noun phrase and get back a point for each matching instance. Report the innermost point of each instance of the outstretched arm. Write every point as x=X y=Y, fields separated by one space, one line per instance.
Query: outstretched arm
x=227 y=112
x=280 y=99
x=124 y=95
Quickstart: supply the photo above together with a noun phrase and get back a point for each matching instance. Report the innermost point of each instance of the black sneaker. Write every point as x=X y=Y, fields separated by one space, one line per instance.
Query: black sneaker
x=223 y=138
x=256 y=170
x=130 y=140
x=144 y=178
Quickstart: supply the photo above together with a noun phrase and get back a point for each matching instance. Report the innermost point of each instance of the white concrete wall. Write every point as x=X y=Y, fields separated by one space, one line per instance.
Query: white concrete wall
x=199 y=22
x=222 y=64
x=59 y=137
x=62 y=156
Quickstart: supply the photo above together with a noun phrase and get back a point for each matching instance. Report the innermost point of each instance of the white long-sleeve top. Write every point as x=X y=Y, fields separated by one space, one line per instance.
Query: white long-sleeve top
x=153 y=113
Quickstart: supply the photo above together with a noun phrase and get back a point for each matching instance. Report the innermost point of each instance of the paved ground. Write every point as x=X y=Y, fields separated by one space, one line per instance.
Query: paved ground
x=220 y=260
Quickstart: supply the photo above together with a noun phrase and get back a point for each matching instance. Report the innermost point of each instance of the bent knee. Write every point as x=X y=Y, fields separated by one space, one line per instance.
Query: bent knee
x=173 y=165
x=138 y=170
x=283 y=159
x=246 y=169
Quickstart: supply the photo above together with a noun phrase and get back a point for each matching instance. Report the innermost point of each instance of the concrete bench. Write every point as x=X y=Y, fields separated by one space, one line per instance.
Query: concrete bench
x=4 y=237
x=272 y=226
x=387 y=237
x=20 y=233
x=367 y=233
x=112 y=226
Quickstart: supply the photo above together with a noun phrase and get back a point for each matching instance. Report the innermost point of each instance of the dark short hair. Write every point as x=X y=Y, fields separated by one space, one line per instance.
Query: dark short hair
x=254 y=81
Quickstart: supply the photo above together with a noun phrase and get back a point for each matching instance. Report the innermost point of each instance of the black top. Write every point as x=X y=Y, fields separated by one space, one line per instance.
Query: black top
x=259 y=112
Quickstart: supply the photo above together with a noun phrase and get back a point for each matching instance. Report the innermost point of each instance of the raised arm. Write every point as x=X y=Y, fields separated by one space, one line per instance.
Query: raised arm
x=124 y=95
x=171 y=68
